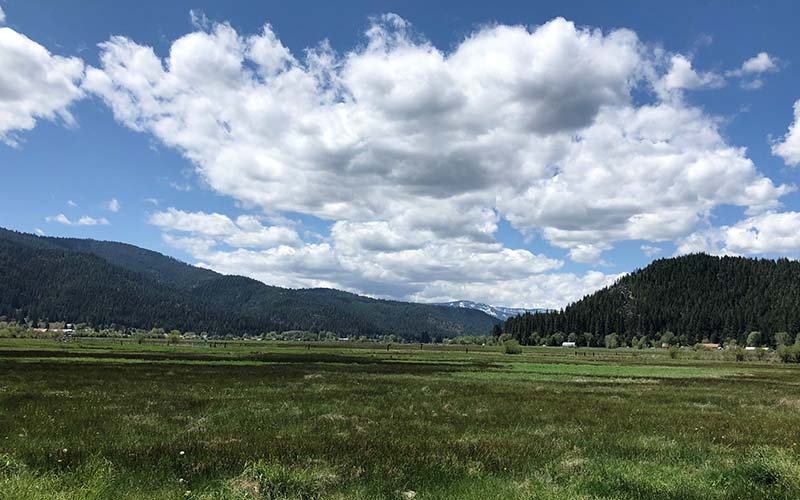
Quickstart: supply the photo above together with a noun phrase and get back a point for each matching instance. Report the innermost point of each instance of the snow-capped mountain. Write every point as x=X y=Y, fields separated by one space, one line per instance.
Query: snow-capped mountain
x=499 y=312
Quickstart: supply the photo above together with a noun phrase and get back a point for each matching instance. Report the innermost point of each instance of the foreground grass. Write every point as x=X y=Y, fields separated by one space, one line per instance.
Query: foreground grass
x=124 y=421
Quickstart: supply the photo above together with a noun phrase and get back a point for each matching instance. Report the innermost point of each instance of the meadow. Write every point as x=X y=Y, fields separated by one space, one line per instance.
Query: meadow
x=116 y=419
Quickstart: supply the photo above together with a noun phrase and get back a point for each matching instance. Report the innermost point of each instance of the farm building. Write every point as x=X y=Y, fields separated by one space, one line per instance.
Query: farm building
x=569 y=344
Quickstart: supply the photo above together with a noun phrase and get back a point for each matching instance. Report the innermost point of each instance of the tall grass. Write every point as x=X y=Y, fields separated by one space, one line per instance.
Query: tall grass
x=128 y=421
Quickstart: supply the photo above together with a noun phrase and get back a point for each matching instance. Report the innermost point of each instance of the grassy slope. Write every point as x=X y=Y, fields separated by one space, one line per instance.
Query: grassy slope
x=282 y=421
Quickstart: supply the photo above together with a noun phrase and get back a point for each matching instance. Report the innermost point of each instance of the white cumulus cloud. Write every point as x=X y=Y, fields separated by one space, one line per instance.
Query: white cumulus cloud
x=82 y=221
x=789 y=147
x=373 y=258
x=681 y=75
x=767 y=233
x=760 y=63
x=34 y=84
x=245 y=231
x=413 y=154
x=752 y=68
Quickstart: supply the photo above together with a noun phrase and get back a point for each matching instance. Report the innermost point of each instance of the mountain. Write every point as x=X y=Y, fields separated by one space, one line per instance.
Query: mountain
x=499 y=312
x=695 y=297
x=108 y=283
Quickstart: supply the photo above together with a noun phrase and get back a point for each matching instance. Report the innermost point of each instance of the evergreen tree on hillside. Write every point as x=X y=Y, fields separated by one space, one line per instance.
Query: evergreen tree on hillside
x=107 y=284
x=684 y=300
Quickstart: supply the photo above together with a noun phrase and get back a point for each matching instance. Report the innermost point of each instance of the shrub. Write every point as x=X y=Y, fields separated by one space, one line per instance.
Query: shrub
x=668 y=338
x=781 y=339
x=789 y=354
x=174 y=337
x=512 y=347
x=753 y=339
x=611 y=341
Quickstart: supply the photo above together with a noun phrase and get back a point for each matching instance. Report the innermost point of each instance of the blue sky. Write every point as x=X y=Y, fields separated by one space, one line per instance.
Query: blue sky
x=415 y=168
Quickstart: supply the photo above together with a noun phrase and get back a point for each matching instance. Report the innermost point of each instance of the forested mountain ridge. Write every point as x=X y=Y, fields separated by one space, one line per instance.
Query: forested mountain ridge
x=109 y=283
x=696 y=297
x=153 y=265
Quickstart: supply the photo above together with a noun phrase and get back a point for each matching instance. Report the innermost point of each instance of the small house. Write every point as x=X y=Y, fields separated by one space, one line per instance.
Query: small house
x=569 y=344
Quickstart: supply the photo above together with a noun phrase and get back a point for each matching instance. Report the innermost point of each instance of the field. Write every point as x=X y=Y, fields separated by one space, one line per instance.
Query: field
x=111 y=419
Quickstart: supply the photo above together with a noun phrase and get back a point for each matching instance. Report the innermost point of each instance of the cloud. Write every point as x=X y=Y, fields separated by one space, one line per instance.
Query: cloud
x=761 y=63
x=588 y=253
x=2 y=16
x=705 y=241
x=767 y=233
x=91 y=221
x=392 y=262
x=754 y=84
x=60 y=218
x=71 y=204
x=752 y=68
x=651 y=173
x=38 y=231
x=83 y=221
x=184 y=187
x=777 y=233
x=424 y=150
x=34 y=85
x=410 y=122
x=199 y=19
x=789 y=147
x=682 y=76
x=246 y=231
x=113 y=205
x=650 y=250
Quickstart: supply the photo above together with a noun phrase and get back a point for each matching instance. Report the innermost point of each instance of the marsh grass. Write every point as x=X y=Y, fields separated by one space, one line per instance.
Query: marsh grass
x=95 y=420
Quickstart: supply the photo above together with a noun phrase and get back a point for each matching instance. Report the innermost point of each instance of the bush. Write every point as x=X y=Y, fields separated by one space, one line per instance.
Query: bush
x=789 y=354
x=512 y=347
x=739 y=354
x=174 y=337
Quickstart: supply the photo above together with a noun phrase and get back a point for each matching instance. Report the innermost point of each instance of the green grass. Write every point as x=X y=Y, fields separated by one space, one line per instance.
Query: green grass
x=103 y=419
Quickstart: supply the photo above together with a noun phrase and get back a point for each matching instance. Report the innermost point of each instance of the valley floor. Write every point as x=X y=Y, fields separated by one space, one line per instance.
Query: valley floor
x=104 y=419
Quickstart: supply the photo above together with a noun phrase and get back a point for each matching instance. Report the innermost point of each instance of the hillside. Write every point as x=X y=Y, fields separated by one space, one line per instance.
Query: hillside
x=695 y=297
x=108 y=283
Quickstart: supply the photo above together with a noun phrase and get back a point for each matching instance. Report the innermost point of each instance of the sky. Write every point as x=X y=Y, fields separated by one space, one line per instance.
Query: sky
x=514 y=153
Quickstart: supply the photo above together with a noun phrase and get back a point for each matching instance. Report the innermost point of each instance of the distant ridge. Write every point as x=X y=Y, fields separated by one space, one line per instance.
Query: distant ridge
x=108 y=283
x=499 y=312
